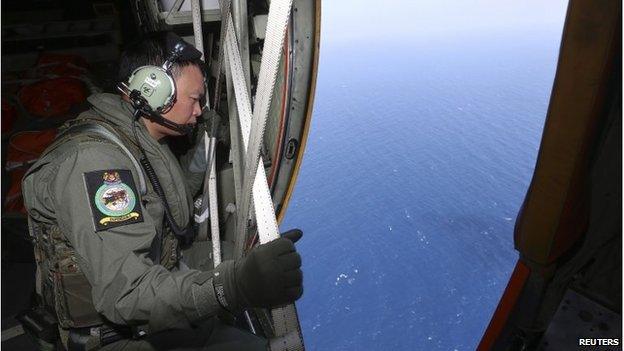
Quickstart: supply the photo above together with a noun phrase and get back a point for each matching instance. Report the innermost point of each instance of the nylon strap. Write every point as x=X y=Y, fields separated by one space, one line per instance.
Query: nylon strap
x=198 y=34
x=285 y=320
x=210 y=191
x=225 y=17
x=279 y=13
x=209 y=197
x=100 y=129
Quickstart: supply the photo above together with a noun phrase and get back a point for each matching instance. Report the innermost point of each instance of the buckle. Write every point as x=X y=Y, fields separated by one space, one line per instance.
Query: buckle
x=109 y=335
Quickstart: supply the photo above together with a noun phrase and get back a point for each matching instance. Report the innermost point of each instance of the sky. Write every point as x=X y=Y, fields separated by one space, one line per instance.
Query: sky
x=344 y=21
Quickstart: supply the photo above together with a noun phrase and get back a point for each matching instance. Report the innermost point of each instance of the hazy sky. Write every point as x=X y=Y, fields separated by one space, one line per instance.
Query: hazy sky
x=357 y=20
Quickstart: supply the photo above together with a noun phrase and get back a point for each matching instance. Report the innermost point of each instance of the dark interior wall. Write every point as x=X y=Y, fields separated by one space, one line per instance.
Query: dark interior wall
x=39 y=25
x=94 y=30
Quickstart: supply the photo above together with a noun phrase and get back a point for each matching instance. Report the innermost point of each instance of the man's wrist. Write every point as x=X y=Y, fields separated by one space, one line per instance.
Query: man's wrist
x=223 y=275
x=204 y=297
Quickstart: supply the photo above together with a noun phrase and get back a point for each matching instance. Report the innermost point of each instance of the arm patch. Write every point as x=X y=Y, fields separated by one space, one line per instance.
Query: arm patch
x=113 y=198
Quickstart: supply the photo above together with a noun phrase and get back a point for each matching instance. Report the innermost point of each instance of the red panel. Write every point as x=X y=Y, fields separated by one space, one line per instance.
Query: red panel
x=505 y=306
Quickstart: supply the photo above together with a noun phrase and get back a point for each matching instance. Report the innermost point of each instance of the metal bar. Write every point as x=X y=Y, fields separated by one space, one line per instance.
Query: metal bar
x=12 y=332
x=174 y=9
x=184 y=17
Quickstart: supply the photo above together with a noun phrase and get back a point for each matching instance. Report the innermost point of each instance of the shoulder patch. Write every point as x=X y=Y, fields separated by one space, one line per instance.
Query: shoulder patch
x=113 y=198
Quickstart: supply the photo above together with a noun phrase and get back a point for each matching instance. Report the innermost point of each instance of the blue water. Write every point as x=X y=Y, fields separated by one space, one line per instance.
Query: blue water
x=418 y=159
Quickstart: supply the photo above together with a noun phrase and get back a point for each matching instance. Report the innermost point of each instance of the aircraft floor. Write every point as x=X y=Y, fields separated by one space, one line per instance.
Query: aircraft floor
x=17 y=287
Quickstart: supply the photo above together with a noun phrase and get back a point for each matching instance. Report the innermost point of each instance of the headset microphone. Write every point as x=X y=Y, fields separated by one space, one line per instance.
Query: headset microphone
x=142 y=108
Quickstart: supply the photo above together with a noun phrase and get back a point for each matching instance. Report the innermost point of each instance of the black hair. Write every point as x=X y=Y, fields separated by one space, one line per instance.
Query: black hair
x=153 y=49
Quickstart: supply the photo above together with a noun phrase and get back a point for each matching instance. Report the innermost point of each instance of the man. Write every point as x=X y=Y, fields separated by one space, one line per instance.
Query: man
x=107 y=232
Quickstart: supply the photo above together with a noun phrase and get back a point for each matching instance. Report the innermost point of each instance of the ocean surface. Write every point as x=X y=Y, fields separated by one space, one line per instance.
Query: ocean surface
x=418 y=159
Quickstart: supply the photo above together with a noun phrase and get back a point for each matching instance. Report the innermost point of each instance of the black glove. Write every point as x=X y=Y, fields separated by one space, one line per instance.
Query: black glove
x=268 y=276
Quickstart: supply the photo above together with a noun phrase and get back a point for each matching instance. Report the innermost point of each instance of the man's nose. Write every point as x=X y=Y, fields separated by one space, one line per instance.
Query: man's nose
x=197 y=109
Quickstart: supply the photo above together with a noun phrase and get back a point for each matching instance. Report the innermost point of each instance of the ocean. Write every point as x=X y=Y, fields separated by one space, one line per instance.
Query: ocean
x=418 y=159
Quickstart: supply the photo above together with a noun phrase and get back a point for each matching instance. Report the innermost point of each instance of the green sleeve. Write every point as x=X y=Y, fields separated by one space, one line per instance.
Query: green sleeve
x=127 y=287
x=193 y=164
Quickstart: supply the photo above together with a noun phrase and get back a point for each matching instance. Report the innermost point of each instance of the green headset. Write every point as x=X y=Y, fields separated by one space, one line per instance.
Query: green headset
x=152 y=89
x=156 y=86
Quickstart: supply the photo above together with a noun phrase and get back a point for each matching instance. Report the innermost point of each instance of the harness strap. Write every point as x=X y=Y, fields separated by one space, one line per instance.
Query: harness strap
x=103 y=129
x=85 y=339
x=287 y=331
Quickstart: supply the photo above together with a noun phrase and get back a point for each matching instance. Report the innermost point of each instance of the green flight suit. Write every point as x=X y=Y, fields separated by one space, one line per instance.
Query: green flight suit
x=127 y=288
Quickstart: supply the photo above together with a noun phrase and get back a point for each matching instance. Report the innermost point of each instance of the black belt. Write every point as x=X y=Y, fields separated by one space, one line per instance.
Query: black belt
x=93 y=338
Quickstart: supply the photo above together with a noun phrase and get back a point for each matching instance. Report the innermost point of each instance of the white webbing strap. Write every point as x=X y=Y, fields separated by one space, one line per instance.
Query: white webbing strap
x=209 y=201
x=209 y=198
x=285 y=320
x=225 y=17
x=279 y=13
x=198 y=34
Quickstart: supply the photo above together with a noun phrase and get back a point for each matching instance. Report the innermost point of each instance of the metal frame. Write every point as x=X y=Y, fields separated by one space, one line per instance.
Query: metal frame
x=175 y=16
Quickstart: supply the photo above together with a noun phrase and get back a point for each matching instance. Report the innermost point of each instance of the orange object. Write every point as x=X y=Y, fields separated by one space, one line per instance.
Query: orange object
x=52 y=97
x=505 y=306
x=61 y=64
x=9 y=115
x=24 y=149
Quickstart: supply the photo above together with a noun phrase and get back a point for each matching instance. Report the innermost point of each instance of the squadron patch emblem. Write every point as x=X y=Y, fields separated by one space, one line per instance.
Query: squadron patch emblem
x=113 y=198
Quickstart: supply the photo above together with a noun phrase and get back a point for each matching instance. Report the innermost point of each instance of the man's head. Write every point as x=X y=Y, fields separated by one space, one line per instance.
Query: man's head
x=187 y=71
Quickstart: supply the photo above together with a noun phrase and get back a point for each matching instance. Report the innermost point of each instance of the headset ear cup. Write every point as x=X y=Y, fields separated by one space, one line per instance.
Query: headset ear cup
x=171 y=99
x=155 y=85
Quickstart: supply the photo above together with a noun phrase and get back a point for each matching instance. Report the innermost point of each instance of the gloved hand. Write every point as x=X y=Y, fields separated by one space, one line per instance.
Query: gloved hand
x=269 y=276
